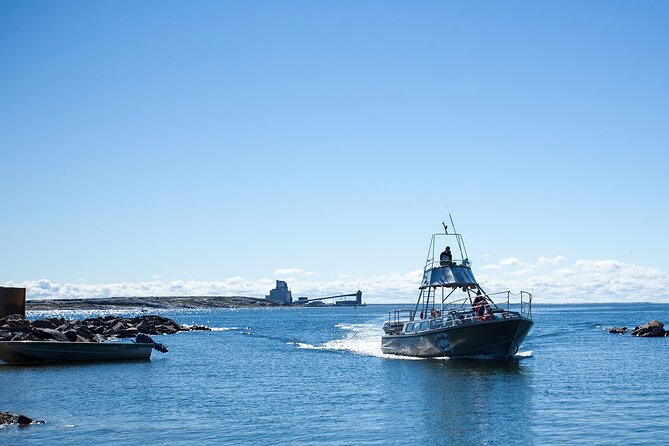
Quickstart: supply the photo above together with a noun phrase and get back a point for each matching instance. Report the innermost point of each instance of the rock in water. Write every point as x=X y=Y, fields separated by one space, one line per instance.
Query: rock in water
x=7 y=418
x=618 y=330
x=652 y=329
x=22 y=419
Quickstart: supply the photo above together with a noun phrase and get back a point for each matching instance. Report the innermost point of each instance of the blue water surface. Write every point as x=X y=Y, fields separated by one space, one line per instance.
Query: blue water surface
x=312 y=376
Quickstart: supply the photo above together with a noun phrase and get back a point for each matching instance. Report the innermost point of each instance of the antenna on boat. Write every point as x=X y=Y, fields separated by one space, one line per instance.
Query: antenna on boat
x=461 y=243
x=445 y=227
x=452 y=224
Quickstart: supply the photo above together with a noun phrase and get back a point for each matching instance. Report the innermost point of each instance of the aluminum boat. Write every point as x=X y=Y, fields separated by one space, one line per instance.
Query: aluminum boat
x=47 y=351
x=454 y=316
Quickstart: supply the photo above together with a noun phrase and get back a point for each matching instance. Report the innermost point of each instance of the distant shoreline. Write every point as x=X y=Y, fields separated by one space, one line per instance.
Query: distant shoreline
x=164 y=302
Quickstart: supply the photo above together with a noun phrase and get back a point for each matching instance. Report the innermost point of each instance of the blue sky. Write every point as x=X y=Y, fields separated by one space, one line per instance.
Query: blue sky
x=168 y=147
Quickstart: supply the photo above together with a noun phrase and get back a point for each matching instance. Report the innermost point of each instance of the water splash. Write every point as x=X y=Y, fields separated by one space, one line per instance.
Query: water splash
x=527 y=354
x=360 y=339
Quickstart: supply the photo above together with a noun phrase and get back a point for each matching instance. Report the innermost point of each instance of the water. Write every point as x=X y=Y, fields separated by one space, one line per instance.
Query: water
x=313 y=376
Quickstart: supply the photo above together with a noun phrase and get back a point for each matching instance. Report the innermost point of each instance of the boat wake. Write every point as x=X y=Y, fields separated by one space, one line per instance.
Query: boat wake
x=360 y=339
x=527 y=354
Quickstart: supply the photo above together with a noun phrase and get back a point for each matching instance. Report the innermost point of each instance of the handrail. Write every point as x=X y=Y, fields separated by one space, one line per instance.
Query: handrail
x=436 y=263
x=463 y=306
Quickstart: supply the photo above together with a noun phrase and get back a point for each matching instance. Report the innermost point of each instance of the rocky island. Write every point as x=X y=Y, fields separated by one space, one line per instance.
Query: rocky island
x=163 y=302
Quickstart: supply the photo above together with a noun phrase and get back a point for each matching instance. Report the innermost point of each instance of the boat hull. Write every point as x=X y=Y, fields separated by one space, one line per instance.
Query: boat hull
x=44 y=351
x=496 y=339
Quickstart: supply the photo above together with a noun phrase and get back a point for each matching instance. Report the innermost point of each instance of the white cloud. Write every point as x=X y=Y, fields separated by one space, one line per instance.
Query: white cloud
x=552 y=262
x=599 y=265
x=584 y=281
x=509 y=261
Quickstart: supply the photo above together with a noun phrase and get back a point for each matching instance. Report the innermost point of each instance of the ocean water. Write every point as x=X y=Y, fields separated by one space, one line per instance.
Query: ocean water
x=313 y=376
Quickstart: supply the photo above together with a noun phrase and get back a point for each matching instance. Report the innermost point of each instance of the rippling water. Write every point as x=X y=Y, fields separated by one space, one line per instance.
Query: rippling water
x=314 y=376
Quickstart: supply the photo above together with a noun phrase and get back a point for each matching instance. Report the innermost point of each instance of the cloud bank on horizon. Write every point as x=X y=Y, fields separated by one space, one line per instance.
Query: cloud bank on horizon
x=550 y=280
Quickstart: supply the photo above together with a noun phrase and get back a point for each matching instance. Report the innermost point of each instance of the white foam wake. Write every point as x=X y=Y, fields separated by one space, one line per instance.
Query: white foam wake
x=361 y=339
x=527 y=354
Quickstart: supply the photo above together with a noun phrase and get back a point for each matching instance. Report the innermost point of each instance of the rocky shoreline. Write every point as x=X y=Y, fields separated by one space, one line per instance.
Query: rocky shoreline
x=162 y=302
x=16 y=328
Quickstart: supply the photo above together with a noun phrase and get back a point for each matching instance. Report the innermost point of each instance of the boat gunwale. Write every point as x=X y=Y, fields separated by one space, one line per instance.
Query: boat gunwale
x=456 y=327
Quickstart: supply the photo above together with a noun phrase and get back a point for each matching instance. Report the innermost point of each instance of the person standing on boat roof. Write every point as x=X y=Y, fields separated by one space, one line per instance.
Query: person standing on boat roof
x=446 y=258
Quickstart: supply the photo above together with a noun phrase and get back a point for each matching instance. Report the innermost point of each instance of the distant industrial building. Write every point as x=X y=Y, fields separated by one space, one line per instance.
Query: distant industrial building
x=281 y=293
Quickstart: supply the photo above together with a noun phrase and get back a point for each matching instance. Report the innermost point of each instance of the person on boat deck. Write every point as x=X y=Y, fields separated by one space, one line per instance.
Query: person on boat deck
x=479 y=306
x=446 y=258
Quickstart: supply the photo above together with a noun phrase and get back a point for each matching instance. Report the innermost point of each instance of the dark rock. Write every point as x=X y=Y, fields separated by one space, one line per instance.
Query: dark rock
x=618 y=330
x=48 y=334
x=5 y=335
x=7 y=418
x=166 y=329
x=71 y=335
x=13 y=319
x=43 y=323
x=99 y=338
x=56 y=320
x=96 y=329
x=144 y=326
x=22 y=419
x=15 y=322
x=84 y=332
x=653 y=328
x=65 y=326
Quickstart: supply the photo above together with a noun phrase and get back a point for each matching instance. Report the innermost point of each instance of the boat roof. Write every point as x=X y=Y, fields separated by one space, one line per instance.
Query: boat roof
x=454 y=272
x=448 y=276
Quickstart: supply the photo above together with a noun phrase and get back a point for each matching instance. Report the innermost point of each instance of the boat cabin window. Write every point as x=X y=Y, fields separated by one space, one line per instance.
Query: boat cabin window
x=424 y=325
x=408 y=328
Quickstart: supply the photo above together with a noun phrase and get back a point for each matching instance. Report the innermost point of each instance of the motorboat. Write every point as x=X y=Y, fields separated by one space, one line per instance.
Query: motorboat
x=454 y=316
x=50 y=351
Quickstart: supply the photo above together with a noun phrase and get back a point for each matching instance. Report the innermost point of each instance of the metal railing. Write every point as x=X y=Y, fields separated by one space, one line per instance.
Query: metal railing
x=400 y=316
x=522 y=305
x=463 y=309
x=436 y=263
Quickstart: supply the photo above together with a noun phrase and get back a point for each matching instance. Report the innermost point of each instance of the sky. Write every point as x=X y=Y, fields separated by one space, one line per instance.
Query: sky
x=207 y=147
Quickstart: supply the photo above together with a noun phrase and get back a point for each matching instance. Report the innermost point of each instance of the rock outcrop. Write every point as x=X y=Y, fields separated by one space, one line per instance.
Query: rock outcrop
x=615 y=329
x=15 y=328
x=652 y=329
x=7 y=418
